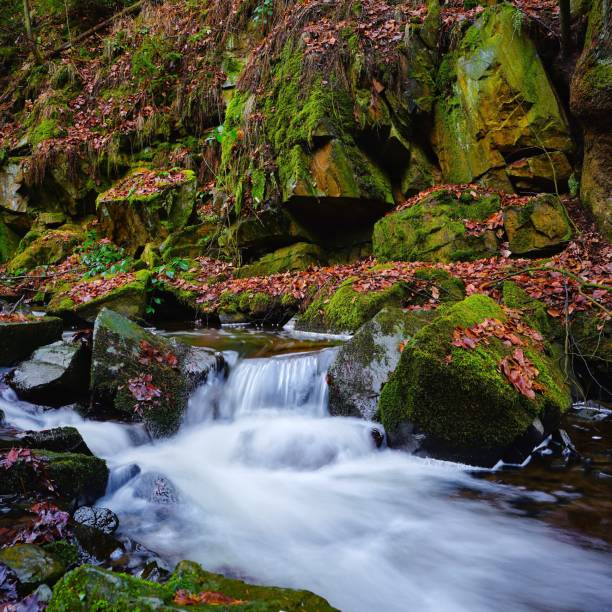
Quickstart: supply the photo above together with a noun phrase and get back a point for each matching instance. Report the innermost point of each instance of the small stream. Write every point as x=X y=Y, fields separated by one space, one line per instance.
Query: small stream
x=261 y=483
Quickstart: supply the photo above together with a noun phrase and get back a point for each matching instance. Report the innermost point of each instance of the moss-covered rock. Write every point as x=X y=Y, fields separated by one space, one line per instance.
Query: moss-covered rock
x=9 y=241
x=129 y=299
x=459 y=397
x=142 y=376
x=33 y=565
x=51 y=247
x=146 y=206
x=19 y=339
x=346 y=309
x=58 y=439
x=91 y=588
x=496 y=102
x=433 y=229
x=364 y=363
x=541 y=224
x=255 y=307
x=72 y=475
x=296 y=257
x=545 y=172
x=192 y=241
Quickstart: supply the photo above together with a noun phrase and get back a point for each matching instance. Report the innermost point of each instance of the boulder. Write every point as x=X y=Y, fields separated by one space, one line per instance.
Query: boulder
x=255 y=307
x=33 y=565
x=55 y=375
x=192 y=241
x=451 y=387
x=130 y=298
x=497 y=102
x=540 y=225
x=143 y=376
x=364 y=363
x=50 y=248
x=296 y=257
x=346 y=309
x=435 y=229
x=11 y=182
x=103 y=519
x=146 y=206
x=9 y=241
x=18 y=339
x=69 y=476
x=58 y=439
x=89 y=588
x=545 y=172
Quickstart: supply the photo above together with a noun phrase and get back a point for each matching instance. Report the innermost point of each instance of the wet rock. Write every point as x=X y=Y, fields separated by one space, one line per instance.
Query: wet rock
x=293 y=258
x=142 y=376
x=146 y=206
x=192 y=241
x=364 y=363
x=69 y=476
x=497 y=102
x=459 y=397
x=256 y=307
x=103 y=519
x=156 y=488
x=59 y=440
x=540 y=225
x=32 y=565
x=55 y=375
x=433 y=229
x=19 y=339
x=87 y=587
x=130 y=300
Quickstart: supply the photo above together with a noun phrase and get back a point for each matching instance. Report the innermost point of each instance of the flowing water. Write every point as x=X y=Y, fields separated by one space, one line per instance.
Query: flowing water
x=261 y=483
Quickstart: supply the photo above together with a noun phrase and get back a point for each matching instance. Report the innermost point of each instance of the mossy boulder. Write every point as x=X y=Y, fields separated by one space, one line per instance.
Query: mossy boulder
x=50 y=248
x=73 y=476
x=296 y=257
x=191 y=241
x=364 y=363
x=58 y=439
x=142 y=376
x=9 y=241
x=18 y=339
x=256 y=307
x=545 y=172
x=433 y=229
x=55 y=375
x=92 y=588
x=146 y=206
x=33 y=565
x=459 y=397
x=497 y=102
x=130 y=299
x=540 y=225
x=346 y=309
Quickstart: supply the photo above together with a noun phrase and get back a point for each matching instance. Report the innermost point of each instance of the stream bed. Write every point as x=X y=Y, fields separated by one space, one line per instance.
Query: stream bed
x=261 y=483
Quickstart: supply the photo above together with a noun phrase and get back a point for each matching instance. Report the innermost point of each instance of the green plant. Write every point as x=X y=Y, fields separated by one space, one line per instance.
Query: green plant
x=574 y=185
x=517 y=22
x=102 y=256
x=263 y=12
x=160 y=274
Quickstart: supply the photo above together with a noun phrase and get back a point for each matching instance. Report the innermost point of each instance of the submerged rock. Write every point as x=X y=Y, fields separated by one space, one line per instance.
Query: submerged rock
x=364 y=363
x=33 y=565
x=89 y=587
x=55 y=375
x=18 y=339
x=458 y=395
x=143 y=376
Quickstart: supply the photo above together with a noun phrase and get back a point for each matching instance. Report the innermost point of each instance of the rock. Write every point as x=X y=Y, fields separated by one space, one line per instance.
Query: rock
x=256 y=307
x=459 y=397
x=32 y=565
x=58 y=439
x=142 y=376
x=51 y=219
x=433 y=229
x=20 y=338
x=87 y=588
x=51 y=248
x=192 y=241
x=545 y=172
x=103 y=519
x=11 y=182
x=364 y=363
x=55 y=375
x=9 y=241
x=497 y=101
x=346 y=310
x=296 y=257
x=146 y=206
x=591 y=102
x=541 y=224
x=73 y=476
x=130 y=299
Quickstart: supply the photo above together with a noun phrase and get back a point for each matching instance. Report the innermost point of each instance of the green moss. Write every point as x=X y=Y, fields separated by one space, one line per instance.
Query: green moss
x=475 y=408
x=51 y=248
x=9 y=241
x=451 y=288
x=67 y=553
x=46 y=129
